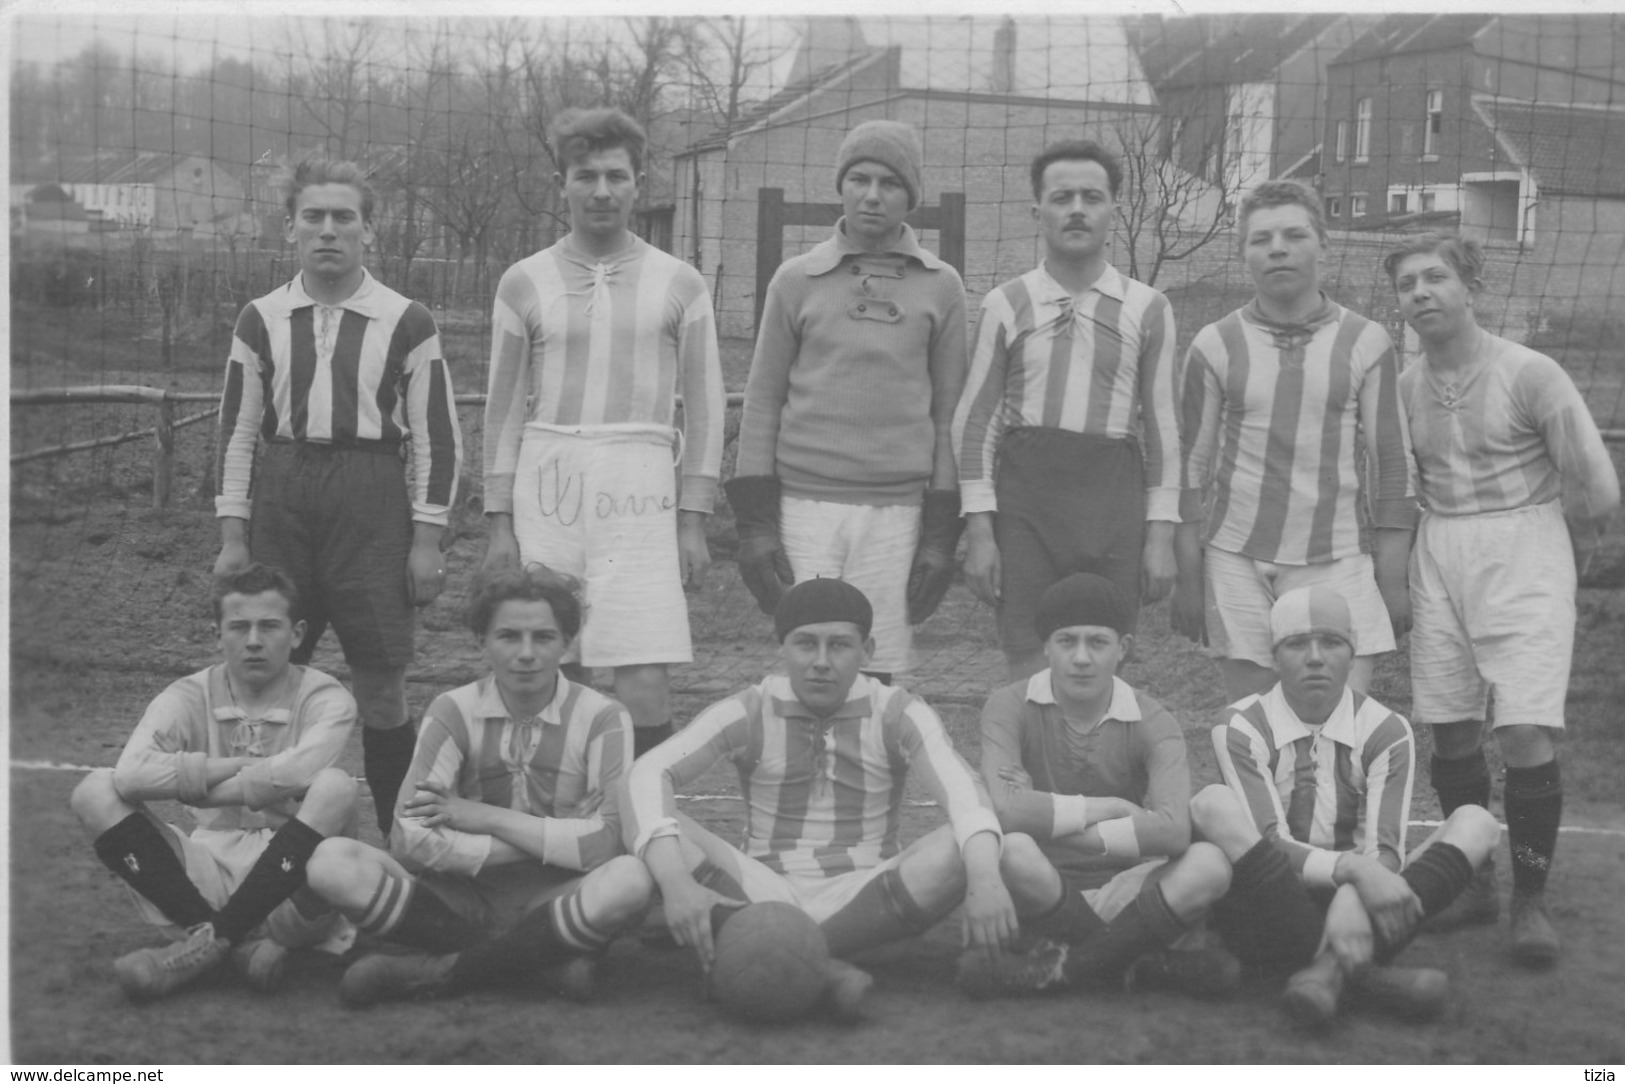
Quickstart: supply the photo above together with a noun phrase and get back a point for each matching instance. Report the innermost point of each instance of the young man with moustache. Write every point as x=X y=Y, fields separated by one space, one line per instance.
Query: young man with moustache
x=1067 y=434
x=1278 y=398
x=333 y=380
x=1090 y=781
x=249 y=744
x=845 y=464
x=599 y=333
x=1313 y=818
x=1517 y=489
x=507 y=867
x=822 y=751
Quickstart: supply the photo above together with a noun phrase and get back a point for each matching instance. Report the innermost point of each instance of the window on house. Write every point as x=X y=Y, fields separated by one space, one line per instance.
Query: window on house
x=1433 y=124
x=1362 y=130
x=1341 y=145
x=1334 y=207
x=1357 y=206
x=1427 y=201
x=1398 y=203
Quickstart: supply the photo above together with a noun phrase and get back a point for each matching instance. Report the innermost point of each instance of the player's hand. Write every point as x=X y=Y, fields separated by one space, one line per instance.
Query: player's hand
x=990 y=922
x=1157 y=567
x=1187 y=613
x=688 y=917
x=501 y=546
x=1390 y=558
x=1392 y=907
x=693 y=553
x=233 y=558
x=765 y=569
x=1348 y=929
x=437 y=807
x=425 y=573
x=983 y=572
x=933 y=569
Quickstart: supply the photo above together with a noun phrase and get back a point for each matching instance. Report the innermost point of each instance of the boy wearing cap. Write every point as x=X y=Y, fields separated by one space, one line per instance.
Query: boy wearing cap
x=822 y=753
x=845 y=465
x=1089 y=779
x=1313 y=819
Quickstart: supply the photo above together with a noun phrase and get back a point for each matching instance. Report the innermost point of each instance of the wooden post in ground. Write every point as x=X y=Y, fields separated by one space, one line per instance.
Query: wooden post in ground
x=163 y=467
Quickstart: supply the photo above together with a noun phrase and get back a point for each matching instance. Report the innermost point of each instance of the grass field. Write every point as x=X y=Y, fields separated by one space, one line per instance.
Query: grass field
x=108 y=604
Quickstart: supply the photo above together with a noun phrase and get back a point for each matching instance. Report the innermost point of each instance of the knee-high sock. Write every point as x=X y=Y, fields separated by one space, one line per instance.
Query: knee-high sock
x=386 y=757
x=556 y=929
x=882 y=911
x=1437 y=876
x=1143 y=926
x=1070 y=920
x=403 y=910
x=1534 y=808
x=277 y=874
x=1267 y=916
x=135 y=849
x=1461 y=781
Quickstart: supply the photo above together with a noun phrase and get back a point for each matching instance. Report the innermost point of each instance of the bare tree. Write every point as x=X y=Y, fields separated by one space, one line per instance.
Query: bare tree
x=342 y=79
x=721 y=56
x=1167 y=212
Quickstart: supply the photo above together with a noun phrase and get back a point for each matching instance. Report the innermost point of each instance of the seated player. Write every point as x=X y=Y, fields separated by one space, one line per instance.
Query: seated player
x=822 y=753
x=506 y=860
x=249 y=744
x=1090 y=782
x=1313 y=817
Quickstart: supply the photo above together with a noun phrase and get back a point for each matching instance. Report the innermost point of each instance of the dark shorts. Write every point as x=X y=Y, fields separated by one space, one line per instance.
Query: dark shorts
x=338 y=521
x=1067 y=503
x=497 y=897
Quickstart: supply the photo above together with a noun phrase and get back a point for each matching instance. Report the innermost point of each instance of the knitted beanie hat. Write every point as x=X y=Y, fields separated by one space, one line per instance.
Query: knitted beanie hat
x=812 y=602
x=1083 y=598
x=893 y=144
x=1313 y=609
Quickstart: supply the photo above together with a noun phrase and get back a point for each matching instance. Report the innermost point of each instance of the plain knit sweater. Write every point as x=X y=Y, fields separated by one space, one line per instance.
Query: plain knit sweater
x=859 y=363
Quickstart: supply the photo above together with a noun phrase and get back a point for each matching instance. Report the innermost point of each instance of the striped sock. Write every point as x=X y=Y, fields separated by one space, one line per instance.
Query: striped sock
x=405 y=911
x=555 y=930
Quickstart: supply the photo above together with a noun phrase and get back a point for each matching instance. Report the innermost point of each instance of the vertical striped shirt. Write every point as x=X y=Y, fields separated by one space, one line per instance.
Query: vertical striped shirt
x=592 y=342
x=197 y=719
x=1272 y=416
x=1511 y=431
x=367 y=369
x=1316 y=792
x=1100 y=364
x=823 y=797
x=547 y=766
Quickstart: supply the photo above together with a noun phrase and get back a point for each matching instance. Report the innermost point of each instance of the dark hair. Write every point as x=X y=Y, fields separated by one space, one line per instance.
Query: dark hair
x=1281 y=193
x=580 y=132
x=256 y=579
x=533 y=583
x=314 y=169
x=1459 y=252
x=1077 y=150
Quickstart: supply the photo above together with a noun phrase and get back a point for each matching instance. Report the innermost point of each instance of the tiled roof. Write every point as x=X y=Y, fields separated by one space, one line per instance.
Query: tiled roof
x=1414 y=34
x=1572 y=150
x=1225 y=50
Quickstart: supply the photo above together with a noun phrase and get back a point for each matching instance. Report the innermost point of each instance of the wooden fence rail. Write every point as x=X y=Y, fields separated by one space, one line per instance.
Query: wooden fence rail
x=163 y=467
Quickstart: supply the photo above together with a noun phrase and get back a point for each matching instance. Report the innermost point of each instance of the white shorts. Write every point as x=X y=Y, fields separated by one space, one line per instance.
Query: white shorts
x=599 y=503
x=869 y=546
x=820 y=897
x=1492 y=612
x=217 y=862
x=1241 y=591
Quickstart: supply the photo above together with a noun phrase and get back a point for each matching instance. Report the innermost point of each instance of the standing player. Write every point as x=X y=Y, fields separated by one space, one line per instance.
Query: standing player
x=337 y=380
x=859 y=362
x=1313 y=818
x=1092 y=789
x=1517 y=488
x=598 y=332
x=1278 y=398
x=1067 y=435
x=822 y=754
x=507 y=862
x=249 y=744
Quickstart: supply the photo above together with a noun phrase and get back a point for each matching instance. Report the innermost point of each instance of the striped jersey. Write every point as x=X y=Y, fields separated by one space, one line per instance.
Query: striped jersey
x=592 y=342
x=558 y=765
x=197 y=719
x=1317 y=792
x=1136 y=752
x=822 y=797
x=1510 y=432
x=1101 y=364
x=367 y=369
x=1272 y=417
